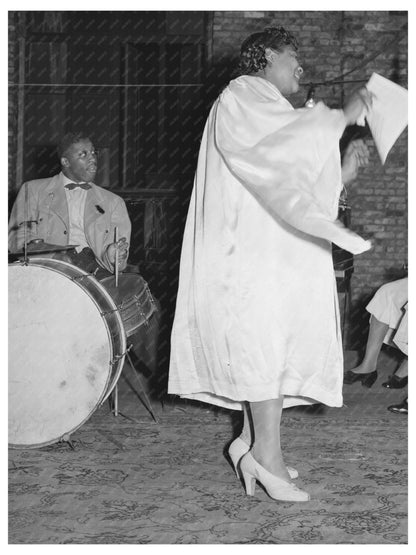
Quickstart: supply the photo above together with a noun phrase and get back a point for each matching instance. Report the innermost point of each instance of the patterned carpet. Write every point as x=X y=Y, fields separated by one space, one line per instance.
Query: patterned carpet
x=135 y=481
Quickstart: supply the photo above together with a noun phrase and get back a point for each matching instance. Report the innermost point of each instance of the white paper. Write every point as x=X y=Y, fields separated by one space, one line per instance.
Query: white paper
x=387 y=117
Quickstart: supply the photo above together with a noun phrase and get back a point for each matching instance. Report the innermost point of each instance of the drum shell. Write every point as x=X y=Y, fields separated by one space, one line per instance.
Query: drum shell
x=133 y=298
x=66 y=350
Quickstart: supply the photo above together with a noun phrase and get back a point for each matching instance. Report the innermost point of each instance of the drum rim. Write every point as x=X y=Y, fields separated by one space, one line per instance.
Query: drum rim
x=55 y=440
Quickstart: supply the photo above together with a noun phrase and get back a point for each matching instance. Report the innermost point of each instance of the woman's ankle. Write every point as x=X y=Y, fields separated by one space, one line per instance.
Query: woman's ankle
x=272 y=462
x=363 y=369
x=244 y=436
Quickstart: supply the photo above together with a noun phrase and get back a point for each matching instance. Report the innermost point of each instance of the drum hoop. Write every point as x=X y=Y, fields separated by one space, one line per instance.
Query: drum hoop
x=56 y=439
x=116 y=360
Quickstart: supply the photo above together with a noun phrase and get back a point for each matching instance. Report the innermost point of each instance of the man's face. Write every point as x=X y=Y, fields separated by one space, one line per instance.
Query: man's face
x=285 y=71
x=80 y=161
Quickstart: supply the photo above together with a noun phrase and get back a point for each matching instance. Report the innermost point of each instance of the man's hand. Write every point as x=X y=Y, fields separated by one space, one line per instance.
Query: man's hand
x=355 y=156
x=123 y=250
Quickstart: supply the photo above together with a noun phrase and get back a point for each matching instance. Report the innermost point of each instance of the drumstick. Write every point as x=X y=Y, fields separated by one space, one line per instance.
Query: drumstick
x=24 y=228
x=116 y=257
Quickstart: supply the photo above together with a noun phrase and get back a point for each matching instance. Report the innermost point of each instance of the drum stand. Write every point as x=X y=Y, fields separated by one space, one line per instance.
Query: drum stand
x=147 y=404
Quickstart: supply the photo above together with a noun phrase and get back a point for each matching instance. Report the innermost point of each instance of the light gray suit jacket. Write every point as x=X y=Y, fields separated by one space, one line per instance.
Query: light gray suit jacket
x=48 y=208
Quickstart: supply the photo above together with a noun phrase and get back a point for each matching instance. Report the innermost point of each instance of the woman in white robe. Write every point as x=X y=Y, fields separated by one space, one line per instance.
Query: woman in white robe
x=256 y=323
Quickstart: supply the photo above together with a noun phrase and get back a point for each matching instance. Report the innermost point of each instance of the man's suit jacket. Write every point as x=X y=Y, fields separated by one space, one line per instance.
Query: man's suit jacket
x=48 y=207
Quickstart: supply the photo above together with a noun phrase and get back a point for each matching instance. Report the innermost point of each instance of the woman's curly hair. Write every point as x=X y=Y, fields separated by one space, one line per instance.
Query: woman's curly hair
x=252 y=53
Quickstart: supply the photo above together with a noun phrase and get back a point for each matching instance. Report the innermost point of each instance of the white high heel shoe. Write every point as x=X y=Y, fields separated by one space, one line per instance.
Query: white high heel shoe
x=238 y=448
x=276 y=487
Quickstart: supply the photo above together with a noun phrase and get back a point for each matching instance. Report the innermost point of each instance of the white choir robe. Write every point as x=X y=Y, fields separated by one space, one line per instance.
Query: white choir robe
x=257 y=310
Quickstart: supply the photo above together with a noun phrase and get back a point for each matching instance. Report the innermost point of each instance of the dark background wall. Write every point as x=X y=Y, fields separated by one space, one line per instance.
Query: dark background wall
x=141 y=84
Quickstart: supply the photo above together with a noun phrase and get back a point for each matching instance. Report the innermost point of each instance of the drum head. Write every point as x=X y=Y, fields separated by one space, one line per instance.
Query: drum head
x=59 y=356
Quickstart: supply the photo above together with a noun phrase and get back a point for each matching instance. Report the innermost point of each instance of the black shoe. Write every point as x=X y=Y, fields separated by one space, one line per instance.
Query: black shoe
x=399 y=409
x=366 y=380
x=395 y=383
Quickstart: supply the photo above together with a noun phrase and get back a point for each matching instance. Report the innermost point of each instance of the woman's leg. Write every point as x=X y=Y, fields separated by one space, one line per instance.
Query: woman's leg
x=247 y=432
x=266 y=449
x=402 y=370
x=375 y=339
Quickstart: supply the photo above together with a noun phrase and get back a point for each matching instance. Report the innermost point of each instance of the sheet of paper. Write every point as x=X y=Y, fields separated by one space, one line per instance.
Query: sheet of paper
x=388 y=115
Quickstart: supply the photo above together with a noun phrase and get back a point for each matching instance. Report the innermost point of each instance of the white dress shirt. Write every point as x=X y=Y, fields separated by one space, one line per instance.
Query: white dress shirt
x=76 y=207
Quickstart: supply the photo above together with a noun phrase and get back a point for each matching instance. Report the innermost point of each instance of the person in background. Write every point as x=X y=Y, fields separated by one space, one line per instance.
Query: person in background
x=69 y=209
x=388 y=324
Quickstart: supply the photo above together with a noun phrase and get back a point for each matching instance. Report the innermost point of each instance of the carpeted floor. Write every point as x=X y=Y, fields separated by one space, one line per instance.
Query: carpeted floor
x=131 y=480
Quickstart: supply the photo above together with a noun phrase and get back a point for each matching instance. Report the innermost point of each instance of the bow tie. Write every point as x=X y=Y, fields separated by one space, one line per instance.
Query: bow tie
x=72 y=186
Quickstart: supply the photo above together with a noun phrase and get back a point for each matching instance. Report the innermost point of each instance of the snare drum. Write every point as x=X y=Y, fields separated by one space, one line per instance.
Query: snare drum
x=133 y=299
x=67 y=346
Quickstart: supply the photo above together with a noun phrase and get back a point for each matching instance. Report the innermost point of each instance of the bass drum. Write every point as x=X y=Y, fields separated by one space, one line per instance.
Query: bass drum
x=67 y=346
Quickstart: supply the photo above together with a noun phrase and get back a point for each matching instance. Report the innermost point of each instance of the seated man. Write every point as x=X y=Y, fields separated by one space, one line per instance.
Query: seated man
x=68 y=209
x=388 y=324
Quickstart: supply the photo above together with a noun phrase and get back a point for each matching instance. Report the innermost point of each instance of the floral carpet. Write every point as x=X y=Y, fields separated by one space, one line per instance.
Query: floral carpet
x=131 y=480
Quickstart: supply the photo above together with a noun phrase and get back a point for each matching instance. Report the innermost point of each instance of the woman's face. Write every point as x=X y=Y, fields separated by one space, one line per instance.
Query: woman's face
x=283 y=69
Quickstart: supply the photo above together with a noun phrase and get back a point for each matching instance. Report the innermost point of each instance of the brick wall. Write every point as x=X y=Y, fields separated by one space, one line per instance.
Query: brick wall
x=332 y=43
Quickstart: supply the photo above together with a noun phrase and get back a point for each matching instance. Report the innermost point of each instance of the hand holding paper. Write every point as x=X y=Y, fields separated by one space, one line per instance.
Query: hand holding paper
x=357 y=106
